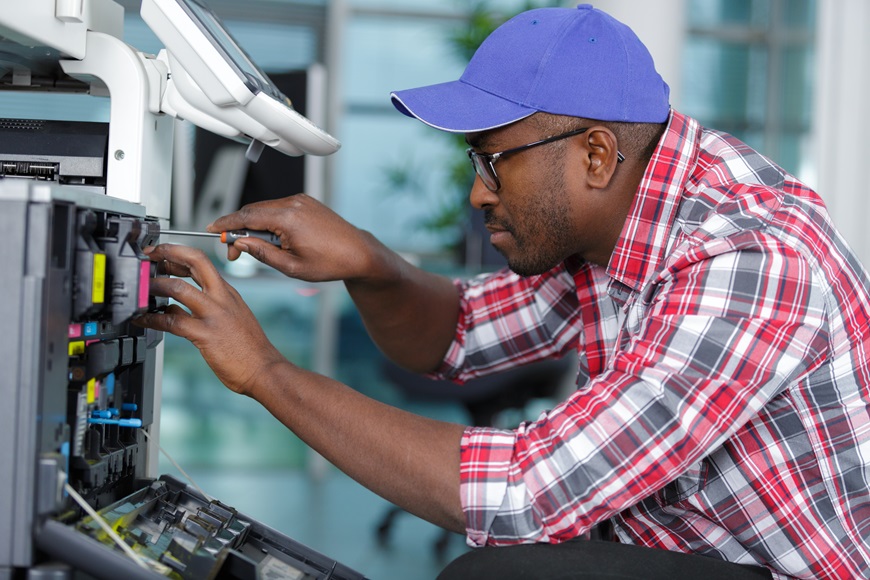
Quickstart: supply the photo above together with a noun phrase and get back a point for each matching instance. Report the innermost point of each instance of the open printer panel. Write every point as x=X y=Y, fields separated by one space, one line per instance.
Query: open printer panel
x=78 y=386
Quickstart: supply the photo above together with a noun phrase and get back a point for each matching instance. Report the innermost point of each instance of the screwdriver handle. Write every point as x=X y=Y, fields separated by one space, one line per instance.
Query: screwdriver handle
x=231 y=236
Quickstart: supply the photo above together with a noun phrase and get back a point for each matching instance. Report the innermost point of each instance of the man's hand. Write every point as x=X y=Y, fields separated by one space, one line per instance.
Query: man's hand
x=412 y=461
x=217 y=321
x=411 y=314
x=317 y=244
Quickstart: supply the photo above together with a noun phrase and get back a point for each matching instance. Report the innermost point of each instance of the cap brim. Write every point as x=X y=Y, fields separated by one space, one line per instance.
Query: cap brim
x=458 y=107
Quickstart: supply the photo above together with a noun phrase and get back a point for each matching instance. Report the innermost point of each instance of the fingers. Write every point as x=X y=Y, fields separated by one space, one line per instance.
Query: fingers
x=182 y=292
x=316 y=243
x=187 y=262
x=174 y=320
x=233 y=252
x=256 y=216
x=268 y=254
x=216 y=320
x=167 y=268
x=213 y=293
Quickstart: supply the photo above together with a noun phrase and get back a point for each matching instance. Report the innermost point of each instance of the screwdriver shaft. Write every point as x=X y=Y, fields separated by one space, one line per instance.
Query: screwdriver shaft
x=231 y=236
x=184 y=233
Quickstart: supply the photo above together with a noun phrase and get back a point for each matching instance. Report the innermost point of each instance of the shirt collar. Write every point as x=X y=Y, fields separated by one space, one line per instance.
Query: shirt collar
x=644 y=238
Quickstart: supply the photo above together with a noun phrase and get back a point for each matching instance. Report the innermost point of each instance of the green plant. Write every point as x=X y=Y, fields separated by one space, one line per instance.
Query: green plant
x=450 y=217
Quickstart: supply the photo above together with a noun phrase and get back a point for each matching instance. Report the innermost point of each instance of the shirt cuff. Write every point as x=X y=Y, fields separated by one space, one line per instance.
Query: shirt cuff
x=486 y=456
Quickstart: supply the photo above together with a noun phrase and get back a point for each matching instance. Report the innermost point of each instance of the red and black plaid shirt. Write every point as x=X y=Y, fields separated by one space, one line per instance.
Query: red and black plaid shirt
x=722 y=402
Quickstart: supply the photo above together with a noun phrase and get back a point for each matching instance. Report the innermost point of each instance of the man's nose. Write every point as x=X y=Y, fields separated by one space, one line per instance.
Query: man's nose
x=481 y=197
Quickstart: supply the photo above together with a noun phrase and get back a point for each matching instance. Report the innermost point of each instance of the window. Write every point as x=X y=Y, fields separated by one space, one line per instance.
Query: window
x=748 y=70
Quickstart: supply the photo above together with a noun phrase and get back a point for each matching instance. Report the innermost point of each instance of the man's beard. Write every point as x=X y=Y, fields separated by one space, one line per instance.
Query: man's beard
x=547 y=218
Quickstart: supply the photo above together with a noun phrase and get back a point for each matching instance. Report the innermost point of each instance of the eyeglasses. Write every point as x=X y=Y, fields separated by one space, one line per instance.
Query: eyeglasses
x=484 y=163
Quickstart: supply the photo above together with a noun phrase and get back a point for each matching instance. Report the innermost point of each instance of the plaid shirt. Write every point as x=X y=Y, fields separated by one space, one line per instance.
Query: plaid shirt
x=722 y=402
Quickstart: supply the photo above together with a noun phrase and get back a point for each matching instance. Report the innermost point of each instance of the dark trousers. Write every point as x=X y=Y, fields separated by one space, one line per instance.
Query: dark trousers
x=588 y=559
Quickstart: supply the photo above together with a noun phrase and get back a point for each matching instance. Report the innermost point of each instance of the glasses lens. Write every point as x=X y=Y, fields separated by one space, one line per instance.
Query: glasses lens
x=485 y=170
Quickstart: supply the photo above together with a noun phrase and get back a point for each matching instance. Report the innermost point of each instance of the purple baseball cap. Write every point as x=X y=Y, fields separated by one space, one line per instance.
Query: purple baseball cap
x=579 y=62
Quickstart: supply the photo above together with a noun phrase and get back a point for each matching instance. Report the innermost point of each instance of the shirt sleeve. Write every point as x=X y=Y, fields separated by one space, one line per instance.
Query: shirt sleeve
x=724 y=328
x=507 y=320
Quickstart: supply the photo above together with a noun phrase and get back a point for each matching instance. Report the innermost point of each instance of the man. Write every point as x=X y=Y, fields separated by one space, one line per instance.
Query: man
x=722 y=325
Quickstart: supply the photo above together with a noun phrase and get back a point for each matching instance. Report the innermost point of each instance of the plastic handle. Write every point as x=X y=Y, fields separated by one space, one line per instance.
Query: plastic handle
x=231 y=236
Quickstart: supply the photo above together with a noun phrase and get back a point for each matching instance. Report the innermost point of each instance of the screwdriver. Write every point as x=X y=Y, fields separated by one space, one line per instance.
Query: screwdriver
x=229 y=237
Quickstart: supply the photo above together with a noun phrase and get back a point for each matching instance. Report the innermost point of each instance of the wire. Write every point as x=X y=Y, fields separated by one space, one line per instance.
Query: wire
x=106 y=527
x=178 y=467
x=146 y=563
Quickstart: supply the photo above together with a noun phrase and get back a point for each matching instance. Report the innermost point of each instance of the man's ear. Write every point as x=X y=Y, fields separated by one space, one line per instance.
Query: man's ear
x=602 y=152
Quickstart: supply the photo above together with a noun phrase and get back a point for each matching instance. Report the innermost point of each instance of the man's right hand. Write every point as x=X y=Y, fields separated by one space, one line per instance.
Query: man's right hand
x=411 y=314
x=317 y=244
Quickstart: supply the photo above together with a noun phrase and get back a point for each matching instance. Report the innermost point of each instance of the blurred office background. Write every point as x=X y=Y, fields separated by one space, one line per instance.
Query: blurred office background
x=787 y=76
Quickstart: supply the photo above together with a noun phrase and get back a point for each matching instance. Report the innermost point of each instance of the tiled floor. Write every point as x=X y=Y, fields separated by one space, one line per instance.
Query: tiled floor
x=334 y=516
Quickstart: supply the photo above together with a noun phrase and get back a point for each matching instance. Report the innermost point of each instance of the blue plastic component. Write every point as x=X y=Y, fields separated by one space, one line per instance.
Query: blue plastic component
x=109 y=384
x=129 y=407
x=64 y=450
x=134 y=423
x=90 y=329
